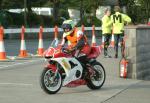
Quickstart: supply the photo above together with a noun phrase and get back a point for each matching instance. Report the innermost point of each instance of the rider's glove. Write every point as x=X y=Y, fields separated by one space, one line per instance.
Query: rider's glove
x=68 y=51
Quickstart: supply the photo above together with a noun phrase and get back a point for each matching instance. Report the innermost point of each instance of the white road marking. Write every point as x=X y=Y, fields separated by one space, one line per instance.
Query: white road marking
x=19 y=63
x=17 y=84
x=2 y=66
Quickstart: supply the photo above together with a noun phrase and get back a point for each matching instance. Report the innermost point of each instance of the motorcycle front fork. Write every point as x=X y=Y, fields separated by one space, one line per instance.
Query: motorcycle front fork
x=88 y=71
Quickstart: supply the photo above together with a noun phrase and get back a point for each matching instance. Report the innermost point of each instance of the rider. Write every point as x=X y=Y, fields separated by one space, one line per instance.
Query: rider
x=75 y=38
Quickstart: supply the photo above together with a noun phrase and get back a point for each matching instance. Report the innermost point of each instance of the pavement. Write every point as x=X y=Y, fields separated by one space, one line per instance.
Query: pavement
x=136 y=93
x=129 y=90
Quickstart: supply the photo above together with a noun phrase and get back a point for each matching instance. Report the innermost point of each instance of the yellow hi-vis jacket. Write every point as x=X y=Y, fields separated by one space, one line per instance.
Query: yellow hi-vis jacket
x=106 y=25
x=119 y=20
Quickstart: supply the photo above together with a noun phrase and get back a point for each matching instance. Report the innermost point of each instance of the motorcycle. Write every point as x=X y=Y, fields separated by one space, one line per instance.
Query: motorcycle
x=64 y=69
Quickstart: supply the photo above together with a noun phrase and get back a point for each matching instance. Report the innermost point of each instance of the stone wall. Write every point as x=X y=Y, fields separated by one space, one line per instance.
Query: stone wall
x=138 y=51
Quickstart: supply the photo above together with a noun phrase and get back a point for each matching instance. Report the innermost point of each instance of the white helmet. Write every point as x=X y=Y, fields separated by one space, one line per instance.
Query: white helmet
x=68 y=24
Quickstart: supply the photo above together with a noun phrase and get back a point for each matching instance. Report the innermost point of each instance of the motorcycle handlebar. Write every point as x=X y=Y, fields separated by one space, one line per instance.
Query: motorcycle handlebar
x=66 y=50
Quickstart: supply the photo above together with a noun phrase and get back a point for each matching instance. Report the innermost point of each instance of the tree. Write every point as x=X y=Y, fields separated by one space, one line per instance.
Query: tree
x=89 y=6
x=145 y=6
x=123 y=2
x=93 y=6
x=85 y=6
x=1 y=4
x=56 y=6
x=131 y=9
x=19 y=4
x=35 y=3
x=138 y=10
x=6 y=4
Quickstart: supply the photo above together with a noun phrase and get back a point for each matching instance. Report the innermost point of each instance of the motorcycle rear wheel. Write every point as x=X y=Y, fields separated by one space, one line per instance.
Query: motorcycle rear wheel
x=50 y=83
x=97 y=80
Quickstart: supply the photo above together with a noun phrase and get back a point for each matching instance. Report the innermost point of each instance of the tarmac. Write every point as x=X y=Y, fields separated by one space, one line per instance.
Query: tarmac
x=133 y=91
x=114 y=90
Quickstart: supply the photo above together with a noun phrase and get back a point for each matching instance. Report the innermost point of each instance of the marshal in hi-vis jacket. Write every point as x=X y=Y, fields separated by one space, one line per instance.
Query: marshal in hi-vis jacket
x=106 y=25
x=119 y=20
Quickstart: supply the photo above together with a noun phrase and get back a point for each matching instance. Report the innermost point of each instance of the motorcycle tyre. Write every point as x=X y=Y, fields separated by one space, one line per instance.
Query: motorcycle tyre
x=89 y=81
x=43 y=85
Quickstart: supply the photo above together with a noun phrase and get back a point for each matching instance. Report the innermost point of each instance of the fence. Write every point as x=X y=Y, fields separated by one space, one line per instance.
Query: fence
x=46 y=30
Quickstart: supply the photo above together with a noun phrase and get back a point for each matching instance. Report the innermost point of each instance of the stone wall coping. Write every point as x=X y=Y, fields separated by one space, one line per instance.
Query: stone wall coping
x=140 y=26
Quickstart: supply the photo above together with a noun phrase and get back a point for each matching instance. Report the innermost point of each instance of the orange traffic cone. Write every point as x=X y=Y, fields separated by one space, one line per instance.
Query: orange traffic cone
x=55 y=41
x=2 y=48
x=93 y=36
x=40 y=46
x=148 y=22
x=112 y=43
x=82 y=27
x=103 y=39
x=23 y=52
x=56 y=32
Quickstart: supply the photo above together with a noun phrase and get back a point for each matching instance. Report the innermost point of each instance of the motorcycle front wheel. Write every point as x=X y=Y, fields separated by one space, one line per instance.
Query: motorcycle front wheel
x=50 y=82
x=96 y=80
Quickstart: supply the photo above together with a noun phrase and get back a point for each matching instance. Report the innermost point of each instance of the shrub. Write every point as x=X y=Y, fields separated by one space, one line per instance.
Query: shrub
x=5 y=19
x=64 y=13
x=89 y=21
x=48 y=21
x=34 y=20
x=18 y=19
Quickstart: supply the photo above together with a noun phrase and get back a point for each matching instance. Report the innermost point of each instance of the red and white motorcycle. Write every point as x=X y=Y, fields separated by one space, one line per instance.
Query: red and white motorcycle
x=64 y=69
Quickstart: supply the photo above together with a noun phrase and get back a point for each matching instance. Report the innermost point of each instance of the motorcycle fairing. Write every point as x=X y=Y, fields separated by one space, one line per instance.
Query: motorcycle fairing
x=70 y=72
x=52 y=67
x=95 y=51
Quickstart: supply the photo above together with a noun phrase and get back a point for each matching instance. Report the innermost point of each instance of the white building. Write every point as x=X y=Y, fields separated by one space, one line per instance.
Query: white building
x=100 y=11
x=74 y=14
x=43 y=11
x=37 y=10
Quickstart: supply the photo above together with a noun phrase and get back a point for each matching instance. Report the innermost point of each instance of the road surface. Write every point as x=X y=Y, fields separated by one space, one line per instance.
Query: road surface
x=19 y=83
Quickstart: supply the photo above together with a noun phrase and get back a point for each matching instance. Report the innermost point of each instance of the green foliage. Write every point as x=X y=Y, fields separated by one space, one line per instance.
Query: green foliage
x=20 y=3
x=60 y=9
x=63 y=13
x=123 y=2
x=58 y=22
x=48 y=21
x=33 y=19
x=16 y=19
x=138 y=10
x=12 y=4
x=89 y=6
x=5 y=18
x=89 y=21
x=145 y=6
x=96 y=21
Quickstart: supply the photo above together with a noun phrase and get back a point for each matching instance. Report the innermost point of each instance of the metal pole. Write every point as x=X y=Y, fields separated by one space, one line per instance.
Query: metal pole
x=25 y=12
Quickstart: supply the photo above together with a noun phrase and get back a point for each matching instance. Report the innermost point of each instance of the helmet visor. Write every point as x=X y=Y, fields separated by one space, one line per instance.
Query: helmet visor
x=66 y=26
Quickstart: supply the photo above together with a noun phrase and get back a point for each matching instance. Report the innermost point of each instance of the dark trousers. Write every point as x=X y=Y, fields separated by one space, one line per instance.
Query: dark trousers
x=119 y=38
x=107 y=38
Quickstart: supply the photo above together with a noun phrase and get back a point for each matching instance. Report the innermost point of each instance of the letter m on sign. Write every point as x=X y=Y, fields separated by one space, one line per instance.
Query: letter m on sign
x=116 y=18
